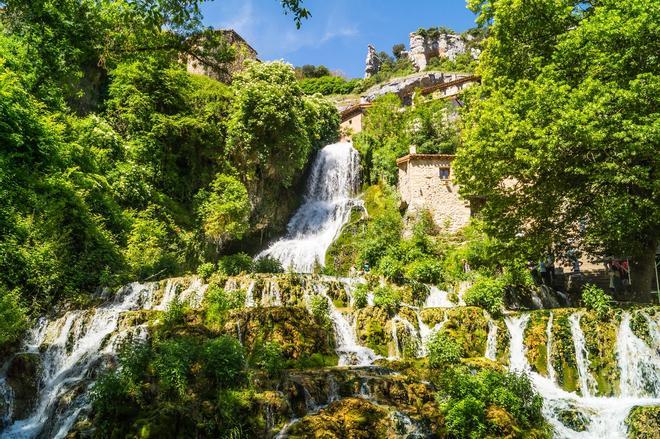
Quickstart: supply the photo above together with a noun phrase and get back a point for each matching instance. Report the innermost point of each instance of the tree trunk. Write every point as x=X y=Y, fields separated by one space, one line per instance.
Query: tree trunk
x=642 y=273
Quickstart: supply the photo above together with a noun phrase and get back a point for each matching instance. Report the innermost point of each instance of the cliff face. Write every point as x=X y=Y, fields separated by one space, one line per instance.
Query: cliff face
x=372 y=63
x=441 y=45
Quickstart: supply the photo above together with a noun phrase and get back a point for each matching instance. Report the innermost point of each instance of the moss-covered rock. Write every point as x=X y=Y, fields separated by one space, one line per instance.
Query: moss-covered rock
x=371 y=327
x=563 y=350
x=23 y=376
x=294 y=329
x=641 y=321
x=469 y=327
x=643 y=422
x=600 y=340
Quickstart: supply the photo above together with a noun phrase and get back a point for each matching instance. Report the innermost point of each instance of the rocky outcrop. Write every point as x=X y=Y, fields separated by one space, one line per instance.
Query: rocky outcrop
x=23 y=377
x=425 y=46
x=372 y=64
x=643 y=422
x=405 y=86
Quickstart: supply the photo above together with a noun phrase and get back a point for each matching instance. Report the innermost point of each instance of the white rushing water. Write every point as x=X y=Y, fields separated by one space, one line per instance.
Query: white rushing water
x=604 y=417
x=587 y=382
x=73 y=346
x=548 y=350
x=437 y=298
x=491 y=341
x=329 y=199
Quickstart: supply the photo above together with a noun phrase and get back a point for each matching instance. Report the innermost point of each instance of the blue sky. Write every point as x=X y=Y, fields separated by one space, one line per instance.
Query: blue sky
x=338 y=32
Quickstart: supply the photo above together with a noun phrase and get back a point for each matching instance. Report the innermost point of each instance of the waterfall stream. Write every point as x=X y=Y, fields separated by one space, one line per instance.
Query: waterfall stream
x=587 y=382
x=491 y=341
x=327 y=205
x=604 y=416
x=71 y=348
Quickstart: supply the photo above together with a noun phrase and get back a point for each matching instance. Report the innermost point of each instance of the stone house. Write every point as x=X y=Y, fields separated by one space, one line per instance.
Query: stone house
x=351 y=120
x=243 y=52
x=426 y=182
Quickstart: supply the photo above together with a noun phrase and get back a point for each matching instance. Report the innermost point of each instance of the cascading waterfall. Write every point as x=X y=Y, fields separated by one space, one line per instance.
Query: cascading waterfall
x=639 y=364
x=349 y=351
x=605 y=416
x=437 y=298
x=327 y=205
x=73 y=346
x=587 y=382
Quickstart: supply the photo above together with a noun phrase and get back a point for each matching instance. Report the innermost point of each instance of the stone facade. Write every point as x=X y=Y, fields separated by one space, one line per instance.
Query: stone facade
x=351 y=120
x=426 y=182
x=243 y=52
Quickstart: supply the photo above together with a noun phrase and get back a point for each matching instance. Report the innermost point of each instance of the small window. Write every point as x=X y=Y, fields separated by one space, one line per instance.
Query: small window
x=444 y=173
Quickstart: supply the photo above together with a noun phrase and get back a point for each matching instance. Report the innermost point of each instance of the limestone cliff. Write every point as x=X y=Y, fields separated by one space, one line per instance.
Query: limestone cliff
x=372 y=63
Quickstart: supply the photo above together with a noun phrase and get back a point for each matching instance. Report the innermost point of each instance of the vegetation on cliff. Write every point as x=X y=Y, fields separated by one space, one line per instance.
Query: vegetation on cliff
x=117 y=163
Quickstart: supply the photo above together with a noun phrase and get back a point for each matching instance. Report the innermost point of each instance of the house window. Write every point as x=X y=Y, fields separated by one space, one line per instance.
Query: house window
x=444 y=173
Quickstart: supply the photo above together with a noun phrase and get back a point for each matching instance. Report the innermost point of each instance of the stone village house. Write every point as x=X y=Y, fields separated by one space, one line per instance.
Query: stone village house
x=426 y=183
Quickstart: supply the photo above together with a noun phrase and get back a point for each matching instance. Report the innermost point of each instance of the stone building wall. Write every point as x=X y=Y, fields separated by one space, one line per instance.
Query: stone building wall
x=422 y=186
x=243 y=52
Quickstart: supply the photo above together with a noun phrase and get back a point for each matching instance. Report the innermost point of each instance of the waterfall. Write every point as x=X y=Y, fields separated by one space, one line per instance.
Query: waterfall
x=491 y=341
x=349 y=351
x=639 y=363
x=587 y=382
x=412 y=332
x=604 y=416
x=249 y=295
x=326 y=207
x=548 y=350
x=437 y=298
x=72 y=347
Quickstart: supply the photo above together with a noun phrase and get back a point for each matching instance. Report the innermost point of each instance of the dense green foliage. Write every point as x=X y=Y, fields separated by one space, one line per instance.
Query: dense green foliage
x=117 y=164
x=389 y=131
x=489 y=403
x=559 y=87
x=329 y=85
x=443 y=350
x=596 y=299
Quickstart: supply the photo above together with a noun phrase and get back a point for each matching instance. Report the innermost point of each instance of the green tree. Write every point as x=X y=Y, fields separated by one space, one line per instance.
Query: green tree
x=561 y=139
x=226 y=211
x=12 y=316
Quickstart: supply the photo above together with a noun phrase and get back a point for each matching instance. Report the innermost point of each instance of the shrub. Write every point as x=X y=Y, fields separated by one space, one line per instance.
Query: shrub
x=387 y=298
x=320 y=307
x=13 y=318
x=443 y=350
x=487 y=293
x=172 y=365
x=233 y=265
x=218 y=301
x=206 y=270
x=175 y=313
x=469 y=399
x=361 y=296
x=391 y=267
x=268 y=265
x=595 y=299
x=224 y=361
x=269 y=357
x=425 y=270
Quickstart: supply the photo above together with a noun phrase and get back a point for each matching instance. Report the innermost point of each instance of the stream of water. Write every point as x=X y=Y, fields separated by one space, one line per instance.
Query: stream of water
x=329 y=199
x=604 y=417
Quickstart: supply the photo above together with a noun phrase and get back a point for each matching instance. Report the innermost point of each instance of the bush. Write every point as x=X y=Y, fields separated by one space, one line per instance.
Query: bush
x=391 y=267
x=218 y=301
x=269 y=357
x=206 y=270
x=172 y=365
x=469 y=399
x=233 y=265
x=361 y=296
x=595 y=299
x=320 y=308
x=387 y=298
x=175 y=313
x=13 y=318
x=224 y=361
x=425 y=270
x=268 y=265
x=443 y=350
x=487 y=293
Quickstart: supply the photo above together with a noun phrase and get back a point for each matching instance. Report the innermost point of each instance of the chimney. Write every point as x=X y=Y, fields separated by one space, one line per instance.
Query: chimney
x=413 y=149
